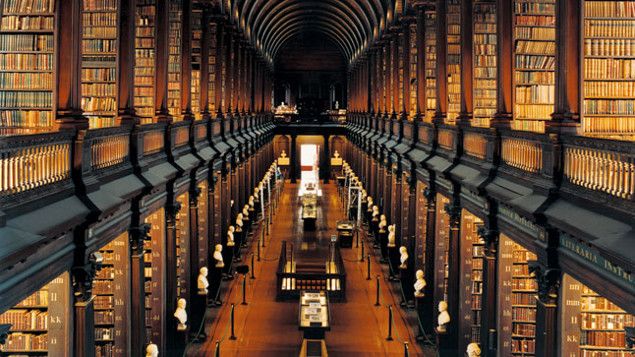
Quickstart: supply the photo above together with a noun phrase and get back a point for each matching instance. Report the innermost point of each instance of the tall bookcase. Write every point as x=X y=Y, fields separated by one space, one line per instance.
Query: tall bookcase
x=183 y=246
x=197 y=34
x=204 y=230
x=26 y=65
x=431 y=63
x=484 y=55
x=517 y=290
x=592 y=325
x=145 y=59
x=534 y=63
x=211 y=89
x=99 y=62
x=609 y=69
x=174 y=61
x=471 y=279
x=412 y=48
x=154 y=272
x=442 y=244
x=112 y=290
x=453 y=22
x=38 y=323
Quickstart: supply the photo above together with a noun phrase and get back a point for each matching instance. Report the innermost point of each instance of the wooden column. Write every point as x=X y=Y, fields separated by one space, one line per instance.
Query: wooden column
x=83 y=276
x=205 y=52
x=229 y=68
x=489 y=299
x=236 y=74
x=421 y=58
x=467 y=64
x=547 y=321
x=566 y=117
x=430 y=310
x=395 y=59
x=125 y=73
x=137 y=236
x=448 y=345
x=186 y=60
x=68 y=72
x=162 y=55
x=504 y=68
x=406 y=58
x=442 y=74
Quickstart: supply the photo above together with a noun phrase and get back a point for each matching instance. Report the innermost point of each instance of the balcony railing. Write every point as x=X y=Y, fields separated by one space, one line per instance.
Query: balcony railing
x=108 y=147
x=475 y=145
x=522 y=154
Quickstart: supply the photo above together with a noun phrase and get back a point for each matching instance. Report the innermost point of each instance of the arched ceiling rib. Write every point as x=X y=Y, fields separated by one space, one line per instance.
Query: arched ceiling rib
x=353 y=25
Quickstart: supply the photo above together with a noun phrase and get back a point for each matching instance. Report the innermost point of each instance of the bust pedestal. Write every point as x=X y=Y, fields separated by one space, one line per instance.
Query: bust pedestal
x=393 y=263
x=420 y=309
x=214 y=287
x=383 y=245
x=406 y=285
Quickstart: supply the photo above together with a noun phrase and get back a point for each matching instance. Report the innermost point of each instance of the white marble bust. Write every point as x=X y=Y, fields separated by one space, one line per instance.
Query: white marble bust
x=181 y=314
x=391 y=236
x=283 y=154
x=239 y=222
x=202 y=282
x=230 y=236
x=369 y=203
x=420 y=283
x=245 y=212
x=444 y=317
x=152 y=350
x=252 y=202
x=473 y=350
x=336 y=154
x=218 y=253
x=382 y=223
x=403 y=251
x=375 y=213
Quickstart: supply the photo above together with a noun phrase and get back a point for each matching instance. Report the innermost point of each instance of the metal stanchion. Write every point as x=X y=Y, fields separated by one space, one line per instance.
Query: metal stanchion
x=377 y=293
x=357 y=238
x=244 y=290
x=231 y=321
x=389 y=338
x=368 y=265
x=253 y=276
x=362 y=259
x=258 y=247
x=217 y=349
x=406 y=351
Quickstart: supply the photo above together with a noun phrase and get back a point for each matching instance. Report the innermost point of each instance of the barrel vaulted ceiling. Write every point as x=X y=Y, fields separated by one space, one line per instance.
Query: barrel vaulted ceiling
x=353 y=25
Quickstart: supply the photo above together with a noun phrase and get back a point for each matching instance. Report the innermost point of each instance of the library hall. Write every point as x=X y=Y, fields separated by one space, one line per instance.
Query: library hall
x=436 y=178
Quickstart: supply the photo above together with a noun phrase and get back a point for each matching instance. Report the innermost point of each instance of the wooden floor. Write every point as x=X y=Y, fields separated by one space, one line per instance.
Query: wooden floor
x=265 y=327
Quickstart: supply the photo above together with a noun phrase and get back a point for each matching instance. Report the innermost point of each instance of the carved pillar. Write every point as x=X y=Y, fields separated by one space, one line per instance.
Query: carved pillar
x=125 y=72
x=84 y=315
x=68 y=71
x=137 y=236
x=162 y=54
x=547 y=326
x=504 y=57
x=490 y=289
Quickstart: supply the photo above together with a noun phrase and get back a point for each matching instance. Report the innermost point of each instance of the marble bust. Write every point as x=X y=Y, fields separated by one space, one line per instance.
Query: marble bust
x=245 y=212
x=230 y=236
x=403 y=251
x=473 y=350
x=336 y=154
x=375 y=213
x=283 y=154
x=181 y=314
x=444 y=317
x=239 y=222
x=369 y=204
x=420 y=283
x=218 y=254
x=382 y=223
x=202 y=282
x=252 y=202
x=152 y=350
x=391 y=236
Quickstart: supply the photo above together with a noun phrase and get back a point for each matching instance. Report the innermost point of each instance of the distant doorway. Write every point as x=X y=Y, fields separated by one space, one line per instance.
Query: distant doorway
x=309 y=161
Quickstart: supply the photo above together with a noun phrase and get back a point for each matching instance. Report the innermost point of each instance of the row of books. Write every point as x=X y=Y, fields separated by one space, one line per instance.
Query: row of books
x=25 y=99
x=24 y=320
x=103 y=301
x=104 y=317
x=99 y=46
x=609 y=28
x=106 y=20
x=26 y=118
x=26 y=80
x=609 y=47
x=104 y=333
x=525 y=346
x=26 y=42
x=603 y=339
x=32 y=6
x=531 y=61
x=610 y=107
x=453 y=59
x=602 y=320
x=536 y=47
x=546 y=8
x=524 y=330
x=106 y=272
x=174 y=60
x=524 y=314
x=26 y=62
x=609 y=9
x=534 y=33
x=105 y=350
x=18 y=341
x=25 y=23
x=609 y=68
x=100 y=5
x=535 y=94
x=533 y=20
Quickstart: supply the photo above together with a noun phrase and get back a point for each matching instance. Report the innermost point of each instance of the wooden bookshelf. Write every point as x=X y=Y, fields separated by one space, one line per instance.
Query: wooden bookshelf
x=197 y=34
x=211 y=88
x=534 y=63
x=112 y=290
x=183 y=246
x=99 y=62
x=595 y=321
x=154 y=273
x=517 y=290
x=27 y=64
x=470 y=294
x=442 y=238
x=453 y=22
x=145 y=59
x=484 y=54
x=174 y=62
x=431 y=63
x=412 y=101
x=609 y=69
x=38 y=322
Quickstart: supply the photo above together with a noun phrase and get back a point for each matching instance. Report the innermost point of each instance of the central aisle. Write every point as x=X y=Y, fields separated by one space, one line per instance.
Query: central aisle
x=265 y=327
